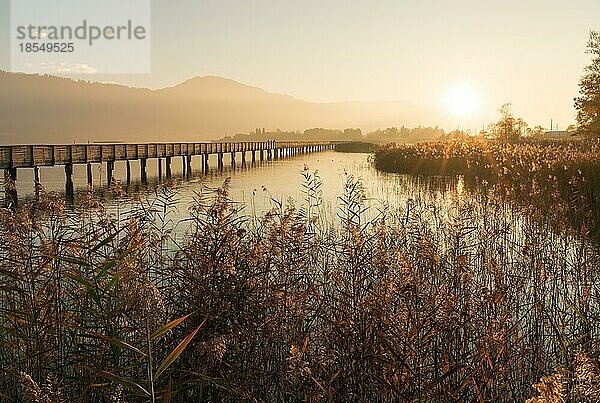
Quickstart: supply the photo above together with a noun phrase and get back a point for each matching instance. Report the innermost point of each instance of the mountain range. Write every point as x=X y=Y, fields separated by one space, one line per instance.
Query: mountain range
x=49 y=109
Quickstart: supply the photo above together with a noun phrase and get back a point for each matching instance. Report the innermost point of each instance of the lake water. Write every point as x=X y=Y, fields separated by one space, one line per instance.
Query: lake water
x=257 y=186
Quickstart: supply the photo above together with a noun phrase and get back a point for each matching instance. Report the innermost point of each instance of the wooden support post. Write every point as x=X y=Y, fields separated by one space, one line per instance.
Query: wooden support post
x=159 y=168
x=188 y=159
x=69 y=180
x=110 y=166
x=128 y=172
x=243 y=158
x=90 y=178
x=206 y=161
x=253 y=156
x=220 y=161
x=183 y=166
x=262 y=155
x=36 y=182
x=10 y=187
x=143 y=174
x=168 y=167
x=233 y=159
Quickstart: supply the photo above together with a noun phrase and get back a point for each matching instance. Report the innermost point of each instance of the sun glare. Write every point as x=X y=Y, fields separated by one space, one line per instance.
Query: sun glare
x=462 y=101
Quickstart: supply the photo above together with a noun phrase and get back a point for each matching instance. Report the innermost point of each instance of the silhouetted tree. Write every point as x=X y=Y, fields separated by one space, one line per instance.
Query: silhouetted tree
x=353 y=134
x=508 y=128
x=393 y=134
x=588 y=104
x=536 y=132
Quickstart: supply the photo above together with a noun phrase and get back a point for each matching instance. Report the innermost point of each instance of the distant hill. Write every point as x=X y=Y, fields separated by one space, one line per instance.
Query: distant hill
x=48 y=109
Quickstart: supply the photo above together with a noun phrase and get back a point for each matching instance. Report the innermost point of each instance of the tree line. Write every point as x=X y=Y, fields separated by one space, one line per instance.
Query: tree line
x=390 y=134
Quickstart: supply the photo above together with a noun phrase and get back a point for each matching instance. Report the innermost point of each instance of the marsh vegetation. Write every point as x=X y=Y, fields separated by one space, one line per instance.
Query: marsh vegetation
x=469 y=299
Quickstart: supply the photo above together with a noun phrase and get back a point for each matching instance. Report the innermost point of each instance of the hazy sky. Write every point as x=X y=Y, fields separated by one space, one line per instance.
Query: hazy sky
x=530 y=53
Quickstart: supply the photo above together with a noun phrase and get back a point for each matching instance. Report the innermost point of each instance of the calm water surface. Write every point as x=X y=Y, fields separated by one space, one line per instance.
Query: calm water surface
x=257 y=186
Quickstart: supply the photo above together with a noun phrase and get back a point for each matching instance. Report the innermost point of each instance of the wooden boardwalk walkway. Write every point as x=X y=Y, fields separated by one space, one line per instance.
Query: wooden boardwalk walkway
x=14 y=157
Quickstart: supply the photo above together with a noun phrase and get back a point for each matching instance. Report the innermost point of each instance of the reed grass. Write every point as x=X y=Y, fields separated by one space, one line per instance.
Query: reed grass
x=558 y=178
x=477 y=303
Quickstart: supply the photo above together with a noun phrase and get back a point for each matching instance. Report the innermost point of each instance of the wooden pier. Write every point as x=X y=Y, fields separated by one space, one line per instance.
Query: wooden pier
x=16 y=157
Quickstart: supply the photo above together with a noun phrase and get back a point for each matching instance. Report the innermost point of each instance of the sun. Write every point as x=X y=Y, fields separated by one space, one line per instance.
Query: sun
x=462 y=100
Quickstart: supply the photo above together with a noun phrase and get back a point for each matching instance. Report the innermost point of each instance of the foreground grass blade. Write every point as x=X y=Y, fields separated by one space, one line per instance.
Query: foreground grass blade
x=130 y=385
x=119 y=343
x=168 y=327
x=177 y=352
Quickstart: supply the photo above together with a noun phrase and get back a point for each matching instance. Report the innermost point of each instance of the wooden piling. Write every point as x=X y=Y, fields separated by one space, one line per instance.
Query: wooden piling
x=128 y=172
x=36 y=182
x=168 y=167
x=10 y=188
x=90 y=179
x=69 y=179
x=110 y=166
x=143 y=173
